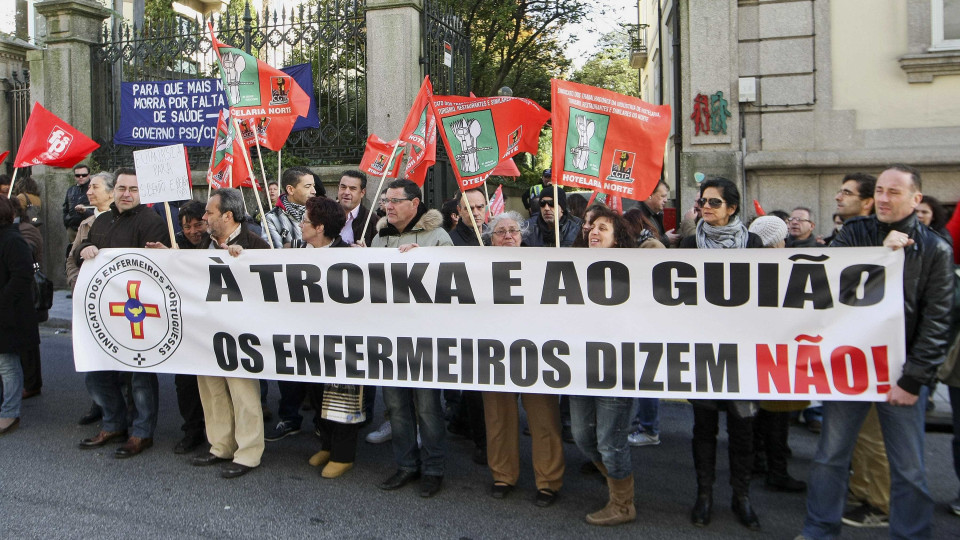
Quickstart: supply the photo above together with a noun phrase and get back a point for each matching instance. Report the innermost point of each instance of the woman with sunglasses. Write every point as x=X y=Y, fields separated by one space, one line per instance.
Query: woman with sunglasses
x=601 y=425
x=501 y=412
x=721 y=228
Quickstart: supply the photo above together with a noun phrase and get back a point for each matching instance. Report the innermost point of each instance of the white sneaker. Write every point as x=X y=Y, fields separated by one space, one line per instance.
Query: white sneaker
x=642 y=438
x=383 y=434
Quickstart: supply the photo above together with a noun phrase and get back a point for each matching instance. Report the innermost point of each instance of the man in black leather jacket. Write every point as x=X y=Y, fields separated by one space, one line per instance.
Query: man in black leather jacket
x=927 y=301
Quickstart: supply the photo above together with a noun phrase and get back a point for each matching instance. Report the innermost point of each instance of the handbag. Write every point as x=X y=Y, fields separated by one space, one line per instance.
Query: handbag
x=42 y=293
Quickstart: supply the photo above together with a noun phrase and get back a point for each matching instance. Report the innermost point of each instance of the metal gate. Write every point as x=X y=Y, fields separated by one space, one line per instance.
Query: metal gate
x=331 y=36
x=446 y=59
x=16 y=91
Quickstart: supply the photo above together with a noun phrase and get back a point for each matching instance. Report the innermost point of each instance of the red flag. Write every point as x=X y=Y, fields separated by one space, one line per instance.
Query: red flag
x=419 y=132
x=483 y=132
x=496 y=202
x=758 y=209
x=48 y=140
x=377 y=155
x=4 y=155
x=606 y=141
x=268 y=98
x=507 y=167
x=226 y=161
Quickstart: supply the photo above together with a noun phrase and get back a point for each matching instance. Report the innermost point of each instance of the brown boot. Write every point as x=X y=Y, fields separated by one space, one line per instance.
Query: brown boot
x=620 y=509
x=601 y=467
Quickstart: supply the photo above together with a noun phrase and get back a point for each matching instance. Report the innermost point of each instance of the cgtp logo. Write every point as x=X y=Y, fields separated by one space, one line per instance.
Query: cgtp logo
x=57 y=144
x=133 y=311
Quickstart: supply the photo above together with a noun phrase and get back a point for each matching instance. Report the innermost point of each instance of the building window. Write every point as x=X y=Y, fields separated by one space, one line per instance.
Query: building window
x=945 y=24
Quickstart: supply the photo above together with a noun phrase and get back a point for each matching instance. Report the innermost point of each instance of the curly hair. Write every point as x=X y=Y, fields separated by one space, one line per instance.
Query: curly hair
x=623 y=235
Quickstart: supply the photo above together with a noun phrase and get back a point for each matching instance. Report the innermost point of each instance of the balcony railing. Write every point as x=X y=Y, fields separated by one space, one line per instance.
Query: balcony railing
x=638 y=45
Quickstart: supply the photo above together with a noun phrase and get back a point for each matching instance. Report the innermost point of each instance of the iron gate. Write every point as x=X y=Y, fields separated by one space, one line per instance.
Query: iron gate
x=330 y=35
x=16 y=91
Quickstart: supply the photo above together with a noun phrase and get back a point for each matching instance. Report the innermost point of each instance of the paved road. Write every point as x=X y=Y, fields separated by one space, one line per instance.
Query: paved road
x=52 y=489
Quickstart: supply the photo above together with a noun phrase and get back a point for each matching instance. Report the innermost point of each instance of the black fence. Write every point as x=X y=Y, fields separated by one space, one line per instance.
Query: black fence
x=330 y=35
x=16 y=92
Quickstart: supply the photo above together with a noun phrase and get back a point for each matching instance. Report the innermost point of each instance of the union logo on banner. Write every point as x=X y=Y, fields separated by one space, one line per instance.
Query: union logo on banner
x=133 y=311
x=279 y=90
x=57 y=144
x=621 y=170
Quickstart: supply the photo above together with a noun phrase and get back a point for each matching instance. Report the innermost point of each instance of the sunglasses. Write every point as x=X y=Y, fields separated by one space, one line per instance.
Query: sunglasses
x=712 y=203
x=546 y=203
x=81 y=175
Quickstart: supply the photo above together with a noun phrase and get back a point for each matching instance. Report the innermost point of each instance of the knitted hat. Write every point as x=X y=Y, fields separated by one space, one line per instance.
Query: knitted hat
x=770 y=229
x=561 y=197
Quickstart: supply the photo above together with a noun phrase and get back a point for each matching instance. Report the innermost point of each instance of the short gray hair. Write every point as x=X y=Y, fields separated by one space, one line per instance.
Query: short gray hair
x=495 y=220
x=231 y=201
x=109 y=180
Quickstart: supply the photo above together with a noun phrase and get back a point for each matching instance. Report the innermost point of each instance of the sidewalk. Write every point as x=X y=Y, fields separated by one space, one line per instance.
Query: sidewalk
x=61 y=314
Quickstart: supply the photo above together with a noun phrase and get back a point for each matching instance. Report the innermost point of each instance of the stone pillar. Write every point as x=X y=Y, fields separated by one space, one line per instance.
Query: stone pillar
x=60 y=81
x=394 y=42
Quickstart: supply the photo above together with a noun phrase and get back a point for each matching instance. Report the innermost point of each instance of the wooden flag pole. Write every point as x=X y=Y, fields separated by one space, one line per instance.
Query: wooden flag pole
x=246 y=160
x=386 y=169
x=556 y=220
x=12 y=182
x=473 y=220
x=256 y=139
x=173 y=237
x=279 y=168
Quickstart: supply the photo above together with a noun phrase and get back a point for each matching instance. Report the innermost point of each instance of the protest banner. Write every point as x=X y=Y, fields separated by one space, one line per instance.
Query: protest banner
x=480 y=133
x=728 y=324
x=605 y=141
x=163 y=175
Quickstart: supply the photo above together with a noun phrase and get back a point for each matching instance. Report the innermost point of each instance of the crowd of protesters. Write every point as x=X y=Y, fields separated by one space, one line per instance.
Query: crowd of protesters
x=868 y=470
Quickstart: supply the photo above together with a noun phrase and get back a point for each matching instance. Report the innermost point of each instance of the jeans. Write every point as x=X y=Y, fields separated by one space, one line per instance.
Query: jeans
x=291 y=398
x=104 y=388
x=911 y=508
x=647 y=418
x=955 y=406
x=408 y=408
x=600 y=427
x=11 y=373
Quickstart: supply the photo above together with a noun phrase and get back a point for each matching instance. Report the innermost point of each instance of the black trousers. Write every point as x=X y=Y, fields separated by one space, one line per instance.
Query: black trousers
x=30 y=362
x=188 y=401
x=706 y=423
x=338 y=439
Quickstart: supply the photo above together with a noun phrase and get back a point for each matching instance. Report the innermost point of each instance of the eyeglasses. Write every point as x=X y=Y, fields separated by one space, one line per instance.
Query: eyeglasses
x=81 y=175
x=548 y=202
x=847 y=193
x=712 y=203
x=797 y=220
x=513 y=231
x=390 y=200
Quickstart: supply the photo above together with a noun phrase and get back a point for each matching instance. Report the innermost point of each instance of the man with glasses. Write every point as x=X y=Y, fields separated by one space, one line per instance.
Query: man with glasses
x=800 y=228
x=128 y=224
x=409 y=223
x=540 y=228
x=76 y=206
x=855 y=197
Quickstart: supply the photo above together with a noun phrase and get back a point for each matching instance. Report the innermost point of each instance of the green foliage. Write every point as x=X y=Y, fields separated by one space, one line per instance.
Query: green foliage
x=609 y=68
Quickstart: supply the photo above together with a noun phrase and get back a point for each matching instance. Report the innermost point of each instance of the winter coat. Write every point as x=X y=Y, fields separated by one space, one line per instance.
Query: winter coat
x=426 y=230
x=283 y=228
x=18 y=318
x=570 y=229
x=130 y=229
x=75 y=195
x=928 y=287
x=247 y=239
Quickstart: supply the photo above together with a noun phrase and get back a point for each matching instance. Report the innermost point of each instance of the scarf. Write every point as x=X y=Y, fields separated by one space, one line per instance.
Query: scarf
x=295 y=210
x=732 y=235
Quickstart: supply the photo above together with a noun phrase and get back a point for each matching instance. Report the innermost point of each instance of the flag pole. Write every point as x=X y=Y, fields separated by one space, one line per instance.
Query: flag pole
x=556 y=220
x=263 y=172
x=279 y=168
x=473 y=220
x=363 y=235
x=173 y=238
x=12 y=182
x=246 y=160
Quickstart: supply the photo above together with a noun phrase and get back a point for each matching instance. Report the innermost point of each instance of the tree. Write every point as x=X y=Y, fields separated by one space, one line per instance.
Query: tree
x=609 y=68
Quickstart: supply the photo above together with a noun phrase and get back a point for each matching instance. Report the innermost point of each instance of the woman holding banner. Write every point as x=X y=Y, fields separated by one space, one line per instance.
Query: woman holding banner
x=601 y=425
x=501 y=413
x=339 y=407
x=721 y=228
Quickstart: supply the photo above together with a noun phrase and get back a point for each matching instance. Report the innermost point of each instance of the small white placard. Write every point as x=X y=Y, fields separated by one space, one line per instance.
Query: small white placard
x=163 y=174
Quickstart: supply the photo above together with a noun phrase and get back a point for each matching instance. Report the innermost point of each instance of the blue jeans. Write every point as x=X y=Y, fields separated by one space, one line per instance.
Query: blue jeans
x=600 y=427
x=104 y=388
x=11 y=374
x=911 y=507
x=955 y=406
x=647 y=418
x=407 y=408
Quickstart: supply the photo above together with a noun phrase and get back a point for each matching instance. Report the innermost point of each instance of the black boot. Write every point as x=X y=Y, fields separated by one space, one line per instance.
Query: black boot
x=744 y=511
x=775 y=429
x=700 y=514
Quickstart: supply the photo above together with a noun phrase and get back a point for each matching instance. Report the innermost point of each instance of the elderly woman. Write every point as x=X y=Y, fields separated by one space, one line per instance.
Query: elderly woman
x=721 y=228
x=501 y=414
x=339 y=406
x=18 y=318
x=601 y=425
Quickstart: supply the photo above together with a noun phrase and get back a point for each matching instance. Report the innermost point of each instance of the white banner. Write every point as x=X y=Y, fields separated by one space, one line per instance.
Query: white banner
x=733 y=324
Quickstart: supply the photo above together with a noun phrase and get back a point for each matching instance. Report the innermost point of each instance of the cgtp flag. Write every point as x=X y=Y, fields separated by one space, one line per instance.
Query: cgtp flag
x=419 y=132
x=377 y=157
x=607 y=142
x=268 y=98
x=482 y=132
x=227 y=164
x=48 y=140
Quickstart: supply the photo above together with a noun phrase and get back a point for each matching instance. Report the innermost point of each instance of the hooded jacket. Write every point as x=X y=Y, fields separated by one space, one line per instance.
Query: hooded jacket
x=426 y=229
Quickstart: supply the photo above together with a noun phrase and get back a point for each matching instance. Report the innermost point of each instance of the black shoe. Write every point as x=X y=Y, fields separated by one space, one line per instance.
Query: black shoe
x=93 y=415
x=785 y=483
x=744 y=511
x=500 y=490
x=69 y=295
x=567 y=434
x=589 y=468
x=700 y=514
x=480 y=456
x=399 y=479
x=233 y=470
x=546 y=497
x=460 y=430
x=206 y=460
x=283 y=429
x=430 y=485
x=189 y=443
